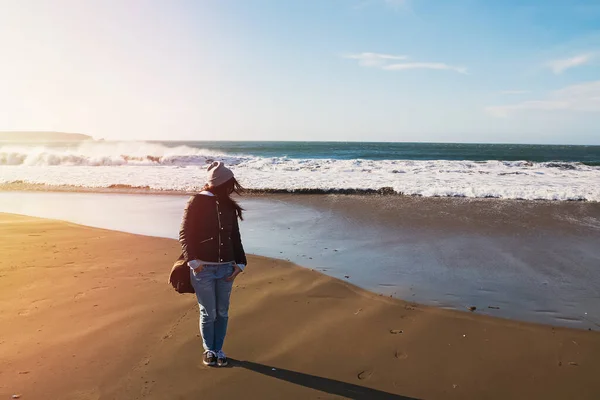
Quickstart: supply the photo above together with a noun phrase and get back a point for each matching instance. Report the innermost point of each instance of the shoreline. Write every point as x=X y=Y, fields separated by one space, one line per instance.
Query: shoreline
x=294 y=333
x=21 y=186
x=527 y=261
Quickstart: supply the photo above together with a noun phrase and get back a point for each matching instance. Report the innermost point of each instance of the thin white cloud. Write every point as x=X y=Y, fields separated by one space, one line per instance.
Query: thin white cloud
x=389 y=62
x=374 y=59
x=424 y=65
x=560 y=66
x=583 y=97
x=515 y=91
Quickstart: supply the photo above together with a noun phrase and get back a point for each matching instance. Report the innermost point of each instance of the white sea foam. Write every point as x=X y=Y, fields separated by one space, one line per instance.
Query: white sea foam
x=183 y=169
x=107 y=154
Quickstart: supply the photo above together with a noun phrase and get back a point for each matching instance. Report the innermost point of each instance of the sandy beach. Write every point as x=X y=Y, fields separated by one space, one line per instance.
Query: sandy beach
x=87 y=314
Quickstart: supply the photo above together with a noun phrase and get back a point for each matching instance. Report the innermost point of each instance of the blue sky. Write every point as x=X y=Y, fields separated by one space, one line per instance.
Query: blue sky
x=377 y=70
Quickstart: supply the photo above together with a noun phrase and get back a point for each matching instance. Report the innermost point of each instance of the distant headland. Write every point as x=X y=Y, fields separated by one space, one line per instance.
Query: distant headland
x=37 y=136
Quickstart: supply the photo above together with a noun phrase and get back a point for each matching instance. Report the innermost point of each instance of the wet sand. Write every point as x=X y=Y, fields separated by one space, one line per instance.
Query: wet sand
x=86 y=313
x=536 y=261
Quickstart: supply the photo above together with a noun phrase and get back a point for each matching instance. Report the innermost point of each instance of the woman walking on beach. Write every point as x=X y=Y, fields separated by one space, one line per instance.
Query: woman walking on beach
x=212 y=246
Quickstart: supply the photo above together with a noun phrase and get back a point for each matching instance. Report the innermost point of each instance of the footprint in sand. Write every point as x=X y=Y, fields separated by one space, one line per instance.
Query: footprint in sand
x=365 y=375
x=400 y=355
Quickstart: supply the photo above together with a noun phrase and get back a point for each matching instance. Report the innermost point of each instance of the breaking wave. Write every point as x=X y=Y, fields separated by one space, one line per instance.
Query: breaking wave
x=158 y=167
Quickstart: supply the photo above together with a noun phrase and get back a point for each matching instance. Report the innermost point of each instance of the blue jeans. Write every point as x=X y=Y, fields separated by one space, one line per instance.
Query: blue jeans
x=213 y=294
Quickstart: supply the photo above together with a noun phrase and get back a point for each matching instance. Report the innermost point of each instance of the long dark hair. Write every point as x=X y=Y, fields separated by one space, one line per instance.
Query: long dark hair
x=224 y=191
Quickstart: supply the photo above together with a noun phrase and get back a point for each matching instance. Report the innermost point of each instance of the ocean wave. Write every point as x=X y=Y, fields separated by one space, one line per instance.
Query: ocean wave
x=182 y=169
x=154 y=154
x=110 y=154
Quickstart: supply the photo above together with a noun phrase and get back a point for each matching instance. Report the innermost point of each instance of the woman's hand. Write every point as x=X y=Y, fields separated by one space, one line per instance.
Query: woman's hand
x=198 y=269
x=236 y=271
x=196 y=266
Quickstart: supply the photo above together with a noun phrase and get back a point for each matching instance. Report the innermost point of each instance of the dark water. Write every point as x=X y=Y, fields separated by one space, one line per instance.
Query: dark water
x=589 y=155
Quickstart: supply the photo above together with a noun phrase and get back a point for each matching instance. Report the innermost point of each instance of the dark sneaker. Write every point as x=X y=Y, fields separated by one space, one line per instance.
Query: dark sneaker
x=221 y=359
x=209 y=358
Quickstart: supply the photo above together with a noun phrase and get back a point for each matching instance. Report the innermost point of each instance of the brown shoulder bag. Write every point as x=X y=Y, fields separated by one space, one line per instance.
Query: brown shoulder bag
x=180 y=276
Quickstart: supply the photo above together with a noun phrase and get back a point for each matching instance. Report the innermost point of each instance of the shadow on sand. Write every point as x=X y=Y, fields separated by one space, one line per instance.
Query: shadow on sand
x=315 y=382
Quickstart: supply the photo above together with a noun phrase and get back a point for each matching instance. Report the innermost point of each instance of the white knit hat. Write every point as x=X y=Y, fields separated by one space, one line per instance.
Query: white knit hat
x=218 y=174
